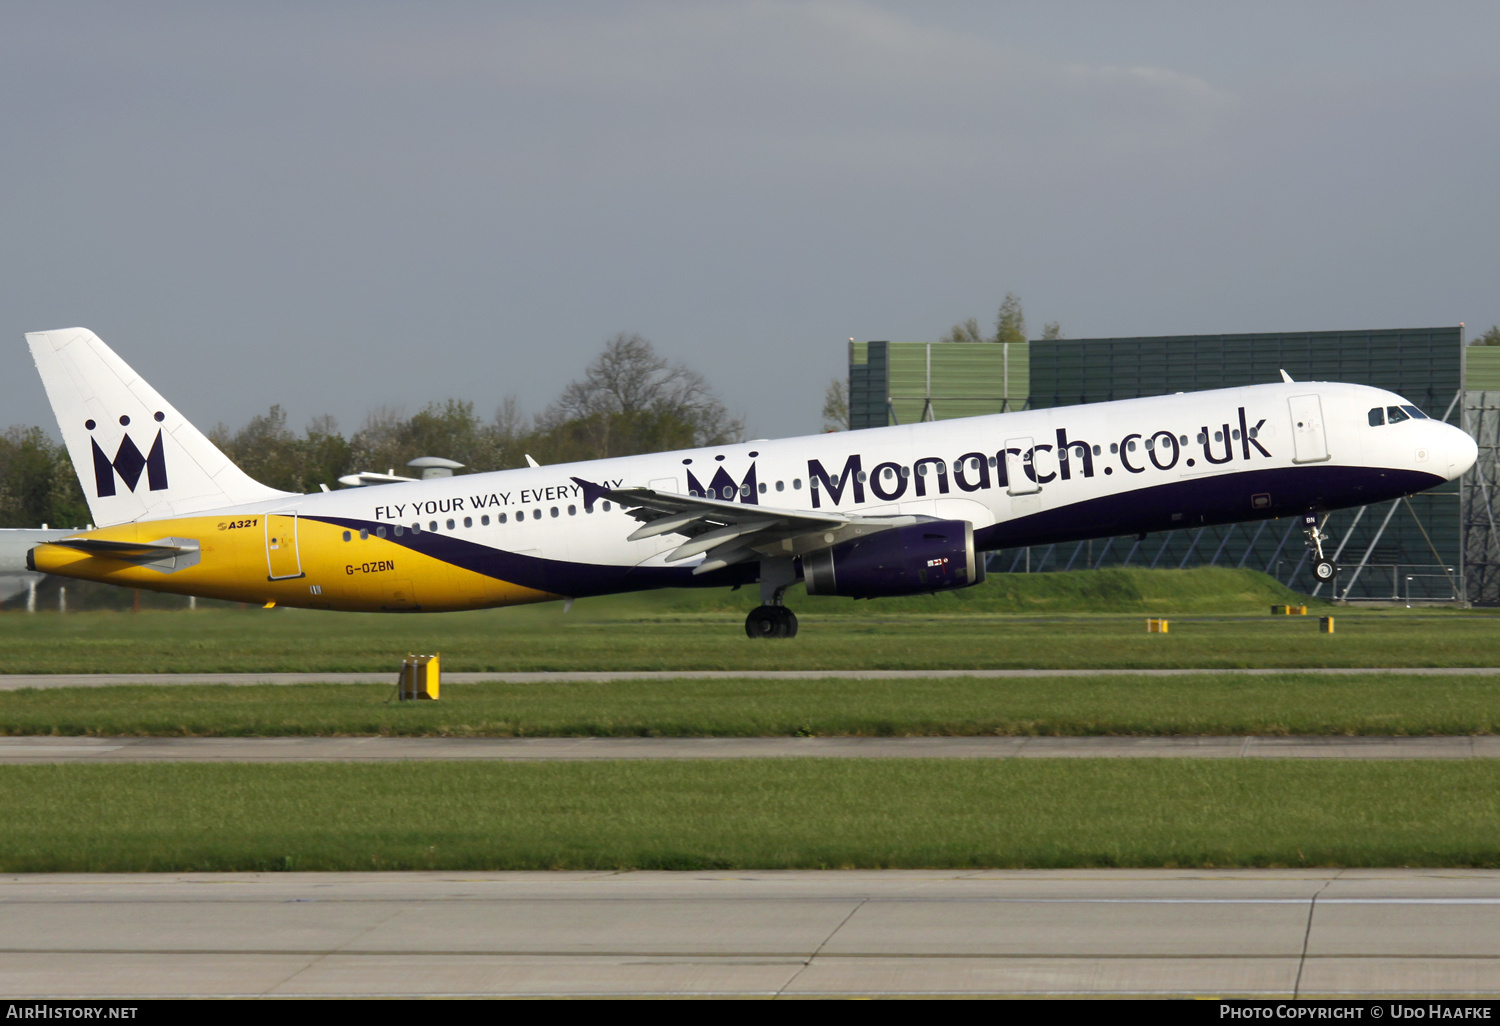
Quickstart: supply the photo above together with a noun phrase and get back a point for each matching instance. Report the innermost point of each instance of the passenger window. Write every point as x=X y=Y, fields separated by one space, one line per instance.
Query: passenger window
x=554 y=511
x=432 y=525
x=606 y=506
x=348 y=536
x=416 y=528
x=1396 y=415
x=572 y=511
x=762 y=488
x=1377 y=417
x=797 y=483
x=400 y=530
x=484 y=521
x=1416 y=413
x=380 y=532
x=468 y=521
x=781 y=486
x=364 y=534
x=536 y=514
x=450 y=526
x=500 y=518
x=1096 y=453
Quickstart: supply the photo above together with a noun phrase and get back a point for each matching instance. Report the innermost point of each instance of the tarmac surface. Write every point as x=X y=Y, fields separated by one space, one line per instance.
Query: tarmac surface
x=16 y=681
x=1256 y=933
x=47 y=749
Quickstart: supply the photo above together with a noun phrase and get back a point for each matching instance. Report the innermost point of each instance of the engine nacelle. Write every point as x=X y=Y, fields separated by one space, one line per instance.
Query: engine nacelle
x=935 y=556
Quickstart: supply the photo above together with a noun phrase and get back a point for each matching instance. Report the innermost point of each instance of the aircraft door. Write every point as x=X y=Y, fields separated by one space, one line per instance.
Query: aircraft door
x=282 y=560
x=1309 y=442
x=1020 y=467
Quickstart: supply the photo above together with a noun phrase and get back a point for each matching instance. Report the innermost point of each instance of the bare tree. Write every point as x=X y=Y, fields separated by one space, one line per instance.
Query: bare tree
x=632 y=400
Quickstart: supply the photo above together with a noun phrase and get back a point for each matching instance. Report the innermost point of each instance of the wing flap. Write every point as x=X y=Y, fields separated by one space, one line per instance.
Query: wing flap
x=735 y=532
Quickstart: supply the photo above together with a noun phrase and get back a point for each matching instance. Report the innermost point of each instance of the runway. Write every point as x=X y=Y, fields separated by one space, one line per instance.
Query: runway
x=46 y=749
x=17 y=681
x=793 y=934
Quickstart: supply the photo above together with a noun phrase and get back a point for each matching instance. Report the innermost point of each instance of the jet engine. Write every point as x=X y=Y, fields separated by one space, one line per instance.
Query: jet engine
x=933 y=556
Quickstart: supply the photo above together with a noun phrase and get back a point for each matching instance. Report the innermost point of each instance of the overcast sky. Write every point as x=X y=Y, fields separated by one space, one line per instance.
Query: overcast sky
x=338 y=206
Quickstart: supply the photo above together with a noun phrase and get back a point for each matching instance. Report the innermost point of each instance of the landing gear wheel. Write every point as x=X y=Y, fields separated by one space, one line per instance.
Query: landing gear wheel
x=771 y=622
x=1323 y=570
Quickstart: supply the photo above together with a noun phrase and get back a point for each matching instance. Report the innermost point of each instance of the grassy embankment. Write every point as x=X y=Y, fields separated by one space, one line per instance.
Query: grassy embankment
x=756 y=815
x=1373 y=704
x=1081 y=620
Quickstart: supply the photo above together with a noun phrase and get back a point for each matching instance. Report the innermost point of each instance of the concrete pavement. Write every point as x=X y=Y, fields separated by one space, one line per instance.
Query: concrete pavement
x=1078 y=932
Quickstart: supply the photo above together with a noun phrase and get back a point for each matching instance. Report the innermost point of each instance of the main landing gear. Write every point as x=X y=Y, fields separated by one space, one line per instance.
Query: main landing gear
x=771 y=619
x=771 y=622
x=1323 y=568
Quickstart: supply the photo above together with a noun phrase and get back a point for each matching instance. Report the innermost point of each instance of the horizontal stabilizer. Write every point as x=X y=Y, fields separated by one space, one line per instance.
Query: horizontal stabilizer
x=131 y=552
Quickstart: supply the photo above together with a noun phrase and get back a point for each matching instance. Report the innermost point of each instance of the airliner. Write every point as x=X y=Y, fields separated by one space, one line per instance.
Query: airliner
x=898 y=510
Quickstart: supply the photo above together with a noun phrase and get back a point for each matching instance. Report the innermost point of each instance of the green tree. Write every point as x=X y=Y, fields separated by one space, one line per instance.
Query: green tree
x=836 y=406
x=1010 y=326
x=1010 y=322
x=265 y=449
x=37 y=482
x=968 y=331
x=1489 y=338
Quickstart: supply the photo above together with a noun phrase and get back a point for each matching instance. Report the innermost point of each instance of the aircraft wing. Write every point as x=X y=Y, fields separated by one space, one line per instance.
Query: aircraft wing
x=725 y=533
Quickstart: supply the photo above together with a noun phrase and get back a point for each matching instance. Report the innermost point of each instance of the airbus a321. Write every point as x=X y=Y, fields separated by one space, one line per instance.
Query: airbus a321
x=886 y=511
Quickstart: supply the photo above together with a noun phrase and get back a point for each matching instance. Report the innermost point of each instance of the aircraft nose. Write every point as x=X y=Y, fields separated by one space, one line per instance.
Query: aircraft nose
x=1462 y=452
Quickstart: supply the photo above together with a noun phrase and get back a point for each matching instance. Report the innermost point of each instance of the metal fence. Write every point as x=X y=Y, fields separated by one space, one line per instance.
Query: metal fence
x=1481 y=549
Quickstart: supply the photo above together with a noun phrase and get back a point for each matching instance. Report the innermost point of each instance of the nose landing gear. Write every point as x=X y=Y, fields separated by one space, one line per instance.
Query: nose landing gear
x=1323 y=568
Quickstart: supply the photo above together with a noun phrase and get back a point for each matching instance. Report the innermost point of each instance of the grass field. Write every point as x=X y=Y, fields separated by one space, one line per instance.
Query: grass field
x=767 y=814
x=755 y=815
x=1378 y=704
x=1093 y=620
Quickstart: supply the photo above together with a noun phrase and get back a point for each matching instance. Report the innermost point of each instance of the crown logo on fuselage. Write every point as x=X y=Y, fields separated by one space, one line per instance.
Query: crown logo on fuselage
x=725 y=487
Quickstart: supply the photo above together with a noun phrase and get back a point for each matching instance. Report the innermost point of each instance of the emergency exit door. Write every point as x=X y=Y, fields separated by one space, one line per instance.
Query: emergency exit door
x=282 y=560
x=1020 y=467
x=1309 y=442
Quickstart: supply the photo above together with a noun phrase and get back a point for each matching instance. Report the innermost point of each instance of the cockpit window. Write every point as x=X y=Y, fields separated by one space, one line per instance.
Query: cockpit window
x=1397 y=414
x=1377 y=417
x=1416 y=413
